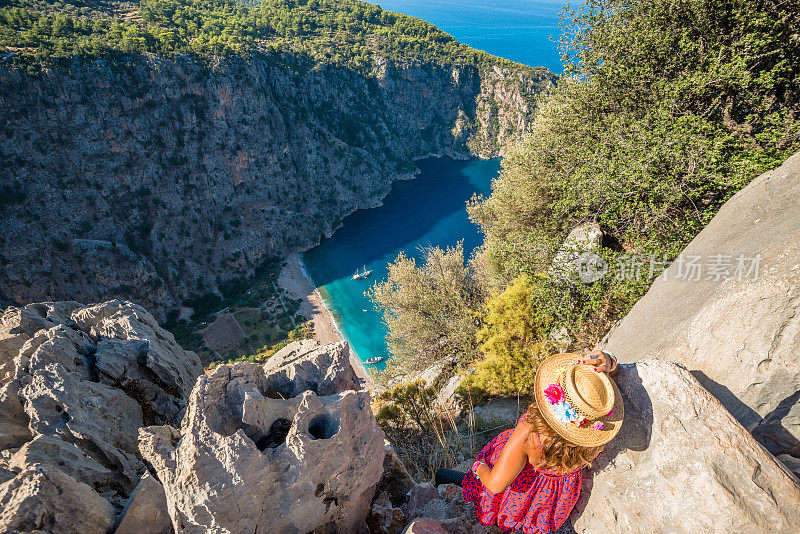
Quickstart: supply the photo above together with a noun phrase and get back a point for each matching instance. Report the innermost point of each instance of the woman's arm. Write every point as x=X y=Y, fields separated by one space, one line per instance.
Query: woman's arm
x=511 y=461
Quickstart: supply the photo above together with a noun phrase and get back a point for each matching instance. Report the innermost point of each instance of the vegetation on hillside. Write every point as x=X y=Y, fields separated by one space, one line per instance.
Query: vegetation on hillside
x=346 y=33
x=268 y=316
x=667 y=108
x=432 y=311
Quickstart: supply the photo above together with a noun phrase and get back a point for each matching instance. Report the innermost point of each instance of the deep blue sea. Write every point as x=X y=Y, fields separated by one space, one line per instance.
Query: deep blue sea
x=417 y=213
x=514 y=29
x=431 y=209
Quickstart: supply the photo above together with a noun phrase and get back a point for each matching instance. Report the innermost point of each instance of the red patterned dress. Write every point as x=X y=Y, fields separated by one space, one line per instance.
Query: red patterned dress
x=537 y=501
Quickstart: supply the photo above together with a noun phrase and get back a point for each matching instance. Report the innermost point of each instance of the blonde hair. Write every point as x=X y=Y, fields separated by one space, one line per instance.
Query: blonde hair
x=558 y=454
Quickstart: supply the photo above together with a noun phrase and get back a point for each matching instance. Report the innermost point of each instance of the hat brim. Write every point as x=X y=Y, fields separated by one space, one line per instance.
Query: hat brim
x=548 y=373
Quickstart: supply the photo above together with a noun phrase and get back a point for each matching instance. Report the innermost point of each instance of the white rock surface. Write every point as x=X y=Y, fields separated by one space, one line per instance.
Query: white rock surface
x=146 y=510
x=278 y=448
x=76 y=384
x=740 y=338
x=682 y=464
x=43 y=499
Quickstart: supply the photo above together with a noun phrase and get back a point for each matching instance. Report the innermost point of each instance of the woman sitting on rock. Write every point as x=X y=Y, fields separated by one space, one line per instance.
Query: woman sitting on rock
x=529 y=478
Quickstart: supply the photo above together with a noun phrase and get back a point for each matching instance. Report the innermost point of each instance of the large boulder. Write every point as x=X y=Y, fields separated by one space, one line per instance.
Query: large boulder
x=76 y=383
x=291 y=446
x=146 y=510
x=737 y=331
x=44 y=499
x=682 y=463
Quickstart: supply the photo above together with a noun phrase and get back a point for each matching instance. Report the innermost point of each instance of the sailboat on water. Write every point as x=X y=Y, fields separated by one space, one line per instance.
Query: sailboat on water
x=363 y=274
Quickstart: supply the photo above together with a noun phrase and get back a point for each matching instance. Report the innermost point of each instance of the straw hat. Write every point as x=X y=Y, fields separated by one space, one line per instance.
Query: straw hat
x=577 y=401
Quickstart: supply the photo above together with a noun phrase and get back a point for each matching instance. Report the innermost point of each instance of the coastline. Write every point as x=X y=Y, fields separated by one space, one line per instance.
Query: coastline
x=295 y=279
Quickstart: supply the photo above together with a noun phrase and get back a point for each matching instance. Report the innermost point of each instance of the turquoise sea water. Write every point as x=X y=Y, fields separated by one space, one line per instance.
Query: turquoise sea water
x=431 y=209
x=514 y=29
x=417 y=213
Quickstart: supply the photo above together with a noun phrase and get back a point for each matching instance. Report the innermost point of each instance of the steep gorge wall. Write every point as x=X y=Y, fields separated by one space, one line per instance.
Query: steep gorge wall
x=157 y=179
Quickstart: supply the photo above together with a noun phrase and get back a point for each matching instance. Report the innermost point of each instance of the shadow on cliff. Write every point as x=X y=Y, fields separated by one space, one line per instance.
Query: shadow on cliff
x=634 y=435
x=769 y=430
x=410 y=211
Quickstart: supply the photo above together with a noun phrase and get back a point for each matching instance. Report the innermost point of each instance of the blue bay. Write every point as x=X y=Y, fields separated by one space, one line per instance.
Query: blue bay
x=419 y=213
x=430 y=210
x=518 y=30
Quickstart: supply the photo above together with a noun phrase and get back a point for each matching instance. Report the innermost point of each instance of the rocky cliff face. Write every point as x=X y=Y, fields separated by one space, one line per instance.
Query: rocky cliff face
x=156 y=179
x=289 y=447
x=76 y=383
x=739 y=334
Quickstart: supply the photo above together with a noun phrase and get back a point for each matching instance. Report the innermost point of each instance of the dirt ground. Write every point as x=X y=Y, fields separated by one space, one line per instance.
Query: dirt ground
x=222 y=333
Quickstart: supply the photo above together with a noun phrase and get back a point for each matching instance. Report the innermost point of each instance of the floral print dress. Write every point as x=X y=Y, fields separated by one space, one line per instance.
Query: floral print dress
x=537 y=501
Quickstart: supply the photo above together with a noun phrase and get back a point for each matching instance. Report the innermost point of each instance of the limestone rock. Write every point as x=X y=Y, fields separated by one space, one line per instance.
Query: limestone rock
x=307 y=366
x=146 y=510
x=444 y=508
x=384 y=518
x=70 y=459
x=681 y=463
x=45 y=499
x=79 y=381
x=577 y=247
x=255 y=451
x=739 y=337
x=501 y=411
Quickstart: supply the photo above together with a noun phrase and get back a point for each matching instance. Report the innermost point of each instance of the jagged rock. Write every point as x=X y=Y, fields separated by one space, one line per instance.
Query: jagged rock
x=232 y=469
x=571 y=256
x=740 y=338
x=444 y=508
x=146 y=510
x=70 y=459
x=446 y=397
x=437 y=373
x=307 y=366
x=384 y=518
x=42 y=498
x=418 y=497
x=501 y=411
x=82 y=380
x=682 y=463
x=150 y=367
x=395 y=481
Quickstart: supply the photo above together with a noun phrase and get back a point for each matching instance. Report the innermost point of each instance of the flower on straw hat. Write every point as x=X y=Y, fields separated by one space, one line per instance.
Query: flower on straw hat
x=565 y=413
x=554 y=394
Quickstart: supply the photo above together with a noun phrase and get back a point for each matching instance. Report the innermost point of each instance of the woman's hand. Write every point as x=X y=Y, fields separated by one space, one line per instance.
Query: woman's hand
x=601 y=361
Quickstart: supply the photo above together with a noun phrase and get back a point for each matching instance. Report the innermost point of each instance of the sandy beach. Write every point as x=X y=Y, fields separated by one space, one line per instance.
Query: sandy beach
x=294 y=279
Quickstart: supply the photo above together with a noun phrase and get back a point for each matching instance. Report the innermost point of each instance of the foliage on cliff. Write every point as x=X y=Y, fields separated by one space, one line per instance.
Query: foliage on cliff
x=667 y=109
x=671 y=107
x=431 y=310
x=510 y=342
x=340 y=32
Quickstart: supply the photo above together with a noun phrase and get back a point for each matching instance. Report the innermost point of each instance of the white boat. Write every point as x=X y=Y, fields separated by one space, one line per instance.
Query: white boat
x=376 y=359
x=363 y=274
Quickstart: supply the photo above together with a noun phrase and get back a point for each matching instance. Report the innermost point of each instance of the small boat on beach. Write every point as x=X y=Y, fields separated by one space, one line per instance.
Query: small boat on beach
x=359 y=275
x=373 y=360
